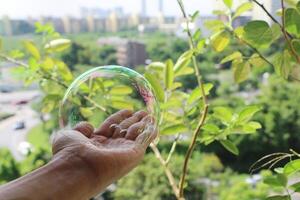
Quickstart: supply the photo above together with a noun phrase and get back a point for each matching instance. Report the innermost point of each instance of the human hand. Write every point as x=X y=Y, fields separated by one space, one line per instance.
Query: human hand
x=111 y=150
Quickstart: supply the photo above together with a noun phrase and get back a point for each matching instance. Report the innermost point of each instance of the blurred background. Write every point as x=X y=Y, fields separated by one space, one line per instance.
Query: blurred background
x=135 y=33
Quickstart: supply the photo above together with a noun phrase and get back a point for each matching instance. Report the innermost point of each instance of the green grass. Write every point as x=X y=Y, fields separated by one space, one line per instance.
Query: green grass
x=4 y=116
x=39 y=135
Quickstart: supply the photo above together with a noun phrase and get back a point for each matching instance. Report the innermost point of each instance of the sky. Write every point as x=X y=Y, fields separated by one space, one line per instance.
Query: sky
x=37 y=8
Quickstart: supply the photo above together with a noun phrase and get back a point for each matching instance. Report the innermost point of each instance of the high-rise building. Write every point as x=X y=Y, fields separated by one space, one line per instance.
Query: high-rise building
x=161 y=6
x=143 y=8
x=7 y=25
x=129 y=53
x=90 y=23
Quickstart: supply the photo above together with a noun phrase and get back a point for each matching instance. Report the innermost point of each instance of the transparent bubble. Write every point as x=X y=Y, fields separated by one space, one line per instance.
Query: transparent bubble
x=102 y=91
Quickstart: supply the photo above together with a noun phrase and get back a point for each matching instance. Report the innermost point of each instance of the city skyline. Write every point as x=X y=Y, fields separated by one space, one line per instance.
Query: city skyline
x=16 y=9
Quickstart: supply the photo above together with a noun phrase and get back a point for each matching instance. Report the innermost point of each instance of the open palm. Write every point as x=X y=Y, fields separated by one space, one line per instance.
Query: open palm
x=111 y=150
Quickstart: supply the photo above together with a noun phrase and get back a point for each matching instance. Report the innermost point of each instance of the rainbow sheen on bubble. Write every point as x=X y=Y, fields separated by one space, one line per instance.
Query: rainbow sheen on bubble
x=102 y=91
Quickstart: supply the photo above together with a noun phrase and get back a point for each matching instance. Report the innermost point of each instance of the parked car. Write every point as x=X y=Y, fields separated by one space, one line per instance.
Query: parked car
x=19 y=125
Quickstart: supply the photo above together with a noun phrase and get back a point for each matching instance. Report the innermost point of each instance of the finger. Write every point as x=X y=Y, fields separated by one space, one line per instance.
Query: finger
x=134 y=130
x=149 y=133
x=85 y=128
x=147 y=136
x=121 y=129
x=106 y=129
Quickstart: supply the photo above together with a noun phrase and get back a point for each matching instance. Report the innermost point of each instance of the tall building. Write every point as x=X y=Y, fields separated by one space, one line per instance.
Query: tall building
x=90 y=23
x=143 y=8
x=7 y=26
x=67 y=24
x=112 y=22
x=161 y=6
x=271 y=5
x=129 y=53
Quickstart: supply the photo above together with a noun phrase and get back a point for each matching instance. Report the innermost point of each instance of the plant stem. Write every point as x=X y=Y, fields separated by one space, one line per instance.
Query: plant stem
x=190 y=151
x=286 y=34
x=172 y=149
x=168 y=173
x=253 y=49
x=204 y=113
x=48 y=76
x=270 y=15
x=12 y=60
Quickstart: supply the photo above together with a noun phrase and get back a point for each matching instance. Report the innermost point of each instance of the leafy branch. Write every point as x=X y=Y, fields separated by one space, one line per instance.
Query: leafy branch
x=288 y=41
x=286 y=35
x=48 y=76
x=167 y=171
x=205 y=110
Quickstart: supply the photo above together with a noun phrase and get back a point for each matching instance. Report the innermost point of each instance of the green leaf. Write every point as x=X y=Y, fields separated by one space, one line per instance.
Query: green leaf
x=174 y=129
x=242 y=8
x=279 y=170
x=276 y=31
x=256 y=61
x=296 y=45
x=279 y=197
x=241 y=71
x=298 y=6
x=183 y=61
x=282 y=64
x=239 y=31
x=118 y=104
x=211 y=128
x=86 y=112
x=228 y=3
x=120 y=90
x=194 y=15
x=16 y=54
x=230 y=146
x=258 y=33
x=176 y=85
x=251 y=127
x=197 y=93
x=156 y=66
x=58 y=45
x=184 y=71
x=169 y=74
x=292 y=21
x=50 y=102
x=220 y=41
x=32 y=49
x=48 y=64
x=295 y=187
x=247 y=113
x=223 y=113
x=156 y=86
x=200 y=45
x=214 y=25
x=233 y=56
x=292 y=167
x=0 y=43
x=197 y=34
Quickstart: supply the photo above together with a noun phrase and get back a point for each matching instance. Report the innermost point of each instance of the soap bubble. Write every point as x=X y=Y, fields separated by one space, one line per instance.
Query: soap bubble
x=102 y=91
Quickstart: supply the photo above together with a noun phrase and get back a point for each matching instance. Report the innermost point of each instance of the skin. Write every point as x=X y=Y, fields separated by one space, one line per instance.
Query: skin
x=86 y=160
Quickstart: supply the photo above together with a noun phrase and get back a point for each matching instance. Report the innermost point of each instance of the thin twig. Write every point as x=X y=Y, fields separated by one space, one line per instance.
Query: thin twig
x=12 y=60
x=172 y=149
x=288 y=41
x=204 y=113
x=168 y=173
x=270 y=15
x=253 y=49
x=48 y=76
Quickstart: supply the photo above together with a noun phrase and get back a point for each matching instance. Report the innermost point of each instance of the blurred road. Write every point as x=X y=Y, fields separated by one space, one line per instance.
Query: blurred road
x=9 y=137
